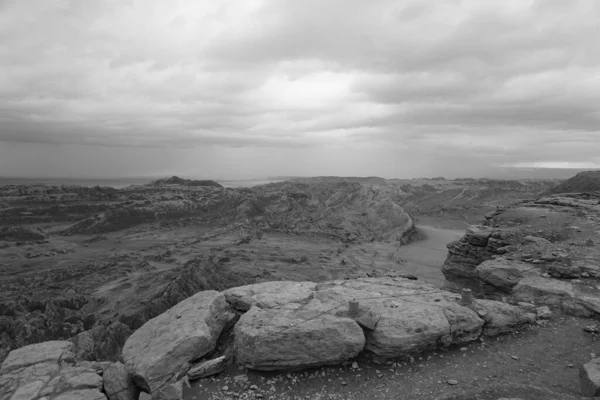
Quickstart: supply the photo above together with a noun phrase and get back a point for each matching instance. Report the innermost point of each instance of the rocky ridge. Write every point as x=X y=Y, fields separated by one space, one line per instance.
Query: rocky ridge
x=586 y=181
x=284 y=325
x=543 y=251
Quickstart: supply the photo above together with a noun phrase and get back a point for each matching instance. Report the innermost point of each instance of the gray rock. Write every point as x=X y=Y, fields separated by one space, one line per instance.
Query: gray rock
x=589 y=378
x=118 y=383
x=159 y=352
x=400 y=317
x=51 y=351
x=556 y=293
x=26 y=371
x=500 y=317
x=539 y=290
x=269 y=294
x=543 y=312
x=504 y=274
x=478 y=235
x=46 y=370
x=73 y=379
x=207 y=368
x=281 y=339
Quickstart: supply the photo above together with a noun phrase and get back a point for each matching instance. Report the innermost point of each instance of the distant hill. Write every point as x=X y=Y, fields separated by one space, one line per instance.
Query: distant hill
x=586 y=181
x=175 y=180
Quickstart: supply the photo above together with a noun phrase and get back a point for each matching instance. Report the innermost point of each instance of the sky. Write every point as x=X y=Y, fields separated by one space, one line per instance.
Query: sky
x=255 y=88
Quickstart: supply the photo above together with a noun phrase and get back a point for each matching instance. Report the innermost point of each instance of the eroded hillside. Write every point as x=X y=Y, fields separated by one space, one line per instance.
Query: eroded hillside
x=96 y=263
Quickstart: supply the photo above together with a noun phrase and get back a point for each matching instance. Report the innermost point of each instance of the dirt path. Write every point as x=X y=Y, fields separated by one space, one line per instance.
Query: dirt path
x=544 y=356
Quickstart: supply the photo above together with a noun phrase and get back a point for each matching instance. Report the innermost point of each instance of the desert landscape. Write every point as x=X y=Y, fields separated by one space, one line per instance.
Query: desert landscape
x=99 y=271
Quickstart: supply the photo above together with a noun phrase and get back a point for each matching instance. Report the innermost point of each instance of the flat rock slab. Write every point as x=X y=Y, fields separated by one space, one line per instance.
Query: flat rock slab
x=404 y=317
x=160 y=351
x=51 y=351
x=269 y=294
x=47 y=370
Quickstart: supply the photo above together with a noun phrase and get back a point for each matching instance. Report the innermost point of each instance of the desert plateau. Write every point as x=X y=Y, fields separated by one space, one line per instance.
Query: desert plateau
x=247 y=290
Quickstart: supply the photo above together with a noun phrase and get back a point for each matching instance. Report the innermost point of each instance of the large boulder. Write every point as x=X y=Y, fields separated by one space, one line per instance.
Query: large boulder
x=160 y=351
x=47 y=369
x=289 y=339
x=399 y=317
x=503 y=274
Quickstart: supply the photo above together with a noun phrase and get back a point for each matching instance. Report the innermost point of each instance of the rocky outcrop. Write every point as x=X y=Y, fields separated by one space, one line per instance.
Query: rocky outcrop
x=586 y=181
x=159 y=352
x=537 y=251
x=398 y=317
x=47 y=369
x=479 y=244
x=286 y=325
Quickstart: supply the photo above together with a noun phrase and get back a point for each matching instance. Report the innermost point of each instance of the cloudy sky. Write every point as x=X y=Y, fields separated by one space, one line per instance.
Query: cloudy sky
x=247 y=89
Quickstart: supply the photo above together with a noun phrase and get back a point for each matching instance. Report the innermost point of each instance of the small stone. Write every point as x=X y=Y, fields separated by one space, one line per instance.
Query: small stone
x=452 y=382
x=354 y=365
x=515 y=358
x=543 y=312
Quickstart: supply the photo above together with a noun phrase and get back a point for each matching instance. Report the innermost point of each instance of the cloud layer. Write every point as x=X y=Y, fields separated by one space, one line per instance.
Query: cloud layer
x=488 y=83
